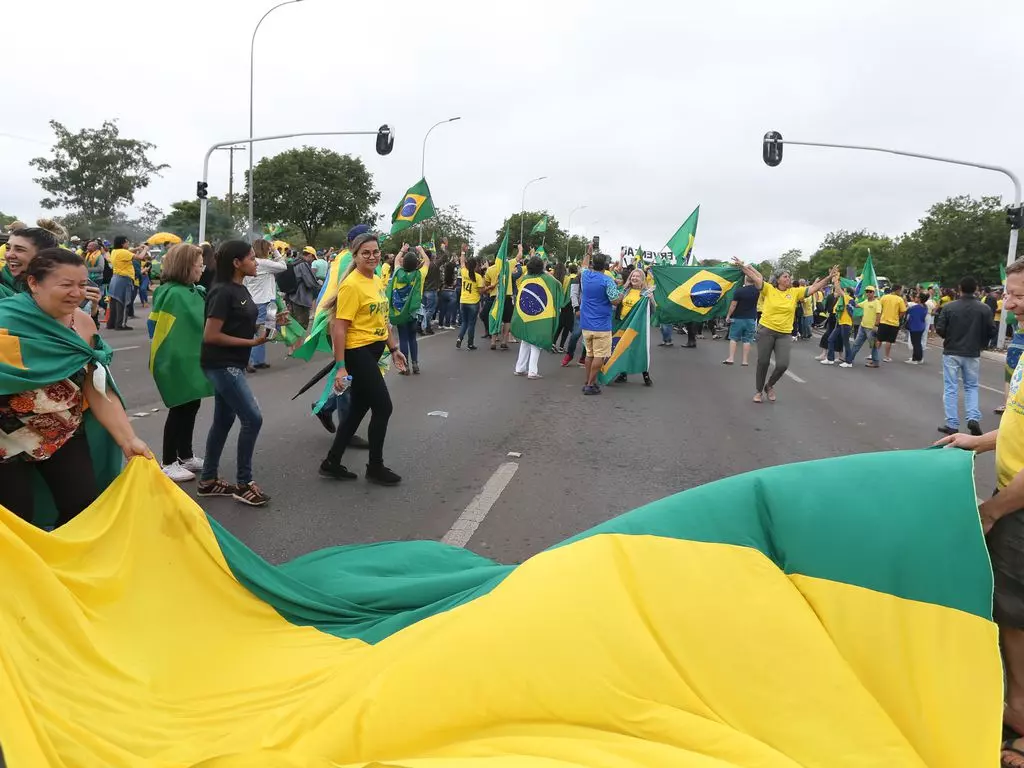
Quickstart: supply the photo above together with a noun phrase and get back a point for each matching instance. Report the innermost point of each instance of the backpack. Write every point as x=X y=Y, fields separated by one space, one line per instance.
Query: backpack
x=287 y=283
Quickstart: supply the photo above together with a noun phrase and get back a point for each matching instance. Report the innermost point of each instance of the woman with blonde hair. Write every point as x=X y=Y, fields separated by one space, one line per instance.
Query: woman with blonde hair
x=176 y=335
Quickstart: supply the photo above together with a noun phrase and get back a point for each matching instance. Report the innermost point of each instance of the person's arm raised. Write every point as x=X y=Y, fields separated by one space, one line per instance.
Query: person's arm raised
x=821 y=282
x=755 y=277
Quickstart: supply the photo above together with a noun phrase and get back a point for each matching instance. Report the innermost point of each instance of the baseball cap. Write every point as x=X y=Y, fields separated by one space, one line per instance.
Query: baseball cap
x=357 y=230
x=870 y=288
x=310 y=250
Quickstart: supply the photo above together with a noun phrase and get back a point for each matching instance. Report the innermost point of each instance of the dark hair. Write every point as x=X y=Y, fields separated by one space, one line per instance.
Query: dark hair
x=48 y=259
x=471 y=265
x=120 y=241
x=535 y=265
x=560 y=271
x=41 y=238
x=968 y=285
x=897 y=288
x=449 y=272
x=922 y=298
x=409 y=261
x=208 y=255
x=228 y=252
x=573 y=269
x=600 y=262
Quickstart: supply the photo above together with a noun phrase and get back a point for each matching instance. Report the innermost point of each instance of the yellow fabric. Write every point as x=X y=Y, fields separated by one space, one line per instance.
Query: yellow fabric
x=3 y=255
x=945 y=300
x=385 y=272
x=363 y=302
x=121 y=262
x=844 y=317
x=871 y=310
x=127 y=642
x=1010 y=439
x=778 y=309
x=10 y=350
x=470 y=287
x=491 y=276
x=331 y=282
x=629 y=298
x=893 y=307
x=808 y=304
x=999 y=311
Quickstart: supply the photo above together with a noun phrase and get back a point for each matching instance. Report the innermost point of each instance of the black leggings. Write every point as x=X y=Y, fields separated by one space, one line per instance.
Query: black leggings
x=68 y=474
x=178 y=429
x=566 y=320
x=369 y=393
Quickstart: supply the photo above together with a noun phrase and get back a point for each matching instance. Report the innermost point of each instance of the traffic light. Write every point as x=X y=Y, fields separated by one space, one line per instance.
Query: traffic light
x=385 y=140
x=201 y=187
x=1015 y=216
x=772 y=151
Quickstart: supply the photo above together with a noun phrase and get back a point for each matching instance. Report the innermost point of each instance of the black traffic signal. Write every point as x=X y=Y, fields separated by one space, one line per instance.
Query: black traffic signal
x=201 y=187
x=772 y=151
x=385 y=140
x=1015 y=216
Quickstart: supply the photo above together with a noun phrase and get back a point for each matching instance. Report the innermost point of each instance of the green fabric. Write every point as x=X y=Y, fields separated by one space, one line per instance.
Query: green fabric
x=537 y=306
x=501 y=289
x=8 y=285
x=540 y=227
x=175 y=325
x=933 y=553
x=292 y=331
x=317 y=340
x=693 y=294
x=404 y=301
x=415 y=206
x=631 y=346
x=681 y=243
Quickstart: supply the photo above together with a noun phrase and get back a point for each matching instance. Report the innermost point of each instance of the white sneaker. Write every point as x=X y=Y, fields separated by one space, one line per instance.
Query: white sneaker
x=195 y=464
x=828 y=362
x=845 y=365
x=178 y=473
x=911 y=362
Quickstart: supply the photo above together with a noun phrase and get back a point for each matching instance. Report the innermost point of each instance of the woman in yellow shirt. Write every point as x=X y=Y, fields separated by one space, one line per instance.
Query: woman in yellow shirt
x=360 y=332
x=777 y=314
x=122 y=262
x=846 y=303
x=469 y=301
x=636 y=289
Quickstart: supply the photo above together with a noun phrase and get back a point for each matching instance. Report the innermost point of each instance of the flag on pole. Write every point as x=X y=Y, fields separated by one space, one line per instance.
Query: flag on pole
x=501 y=289
x=681 y=243
x=540 y=227
x=693 y=294
x=867 y=277
x=631 y=343
x=416 y=206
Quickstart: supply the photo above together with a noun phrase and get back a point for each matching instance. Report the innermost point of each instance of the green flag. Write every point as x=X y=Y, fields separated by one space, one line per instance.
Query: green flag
x=416 y=206
x=501 y=289
x=175 y=326
x=189 y=239
x=631 y=343
x=681 y=243
x=288 y=333
x=405 y=295
x=8 y=285
x=540 y=227
x=867 y=277
x=693 y=294
x=536 y=309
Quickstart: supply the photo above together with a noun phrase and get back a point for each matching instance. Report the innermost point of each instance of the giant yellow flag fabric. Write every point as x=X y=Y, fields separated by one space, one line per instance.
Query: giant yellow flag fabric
x=755 y=621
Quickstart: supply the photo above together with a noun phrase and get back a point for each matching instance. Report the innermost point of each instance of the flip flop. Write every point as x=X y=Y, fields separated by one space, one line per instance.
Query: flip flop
x=1018 y=754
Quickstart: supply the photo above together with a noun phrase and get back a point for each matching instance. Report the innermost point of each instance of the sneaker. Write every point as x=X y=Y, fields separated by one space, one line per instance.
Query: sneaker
x=416 y=367
x=430 y=331
x=195 y=464
x=974 y=428
x=358 y=442
x=647 y=380
x=827 y=362
x=887 y=360
x=178 y=473
x=581 y=364
x=591 y=391
x=535 y=376
x=458 y=343
x=336 y=471
x=845 y=364
x=871 y=365
x=668 y=343
x=381 y=475
x=518 y=373
x=261 y=366
x=214 y=488
x=620 y=379
x=566 y=360
x=910 y=362
x=468 y=346
x=250 y=494
x=948 y=430
x=327 y=419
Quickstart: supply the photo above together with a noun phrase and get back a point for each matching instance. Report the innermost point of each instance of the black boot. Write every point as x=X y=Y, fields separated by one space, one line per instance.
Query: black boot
x=335 y=470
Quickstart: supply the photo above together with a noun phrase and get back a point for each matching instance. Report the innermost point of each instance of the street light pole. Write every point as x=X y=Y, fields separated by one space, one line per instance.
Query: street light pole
x=569 y=228
x=522 y=208
x=231 y=176
x=252 y=90
x=423 y=164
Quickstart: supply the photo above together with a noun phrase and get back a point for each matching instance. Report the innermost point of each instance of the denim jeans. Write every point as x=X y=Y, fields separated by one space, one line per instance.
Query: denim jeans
x=868 y=335
x=258 y=356
x=407 y=341
x=805 y=326
x=841 y=335
x=666 y=333
x=468 y=321
x=339 y=403
x=428 y=307
x=231 y=397
x=577 y=331
x=954 y=368
x=447 y=309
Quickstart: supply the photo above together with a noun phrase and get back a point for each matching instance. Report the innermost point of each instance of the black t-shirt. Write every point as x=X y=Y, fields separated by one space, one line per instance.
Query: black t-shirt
x=746 y=302
x=232 y=303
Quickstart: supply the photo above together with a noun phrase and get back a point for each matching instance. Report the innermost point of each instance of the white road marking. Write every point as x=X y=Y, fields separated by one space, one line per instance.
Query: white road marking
x=123 y=349
x=795 y=378
x=991 y=389
x=463 y=529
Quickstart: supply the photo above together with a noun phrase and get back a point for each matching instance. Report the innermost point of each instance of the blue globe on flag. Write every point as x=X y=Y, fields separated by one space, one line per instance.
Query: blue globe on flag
x=409 y=206
x=533 y=300
x=705 y=294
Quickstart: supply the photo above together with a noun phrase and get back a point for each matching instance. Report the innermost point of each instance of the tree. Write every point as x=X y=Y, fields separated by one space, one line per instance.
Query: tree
x=6 y=219
x=95 y=171
x=554 y=239
x=793 y=261
x=448 y=222
x=313 y=189
x=183 y=220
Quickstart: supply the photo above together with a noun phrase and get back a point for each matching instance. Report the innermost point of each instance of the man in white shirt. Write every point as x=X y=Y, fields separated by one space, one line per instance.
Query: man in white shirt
x=263 y=289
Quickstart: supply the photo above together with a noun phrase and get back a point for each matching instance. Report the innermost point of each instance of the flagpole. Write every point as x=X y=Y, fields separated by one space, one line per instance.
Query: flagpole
x=522 y=208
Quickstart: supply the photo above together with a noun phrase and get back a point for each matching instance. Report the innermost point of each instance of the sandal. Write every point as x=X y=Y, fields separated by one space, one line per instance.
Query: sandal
x=1015 y=754
x=250 y=494
x=214 y=488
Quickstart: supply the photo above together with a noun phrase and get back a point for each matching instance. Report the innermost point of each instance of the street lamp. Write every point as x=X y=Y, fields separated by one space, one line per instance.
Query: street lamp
x=423 y=165
x=252 y=70
x=568 y=228
x=522 y=208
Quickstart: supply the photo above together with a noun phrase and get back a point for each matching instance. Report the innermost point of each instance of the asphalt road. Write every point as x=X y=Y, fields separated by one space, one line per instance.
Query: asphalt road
x=582 y=459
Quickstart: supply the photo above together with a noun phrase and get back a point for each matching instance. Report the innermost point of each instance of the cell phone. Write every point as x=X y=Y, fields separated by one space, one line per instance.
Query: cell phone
x=271 y=333
x=597 y=243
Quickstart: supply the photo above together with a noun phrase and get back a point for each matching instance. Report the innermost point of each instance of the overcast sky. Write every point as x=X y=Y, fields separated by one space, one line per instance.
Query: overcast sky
x=639 y=110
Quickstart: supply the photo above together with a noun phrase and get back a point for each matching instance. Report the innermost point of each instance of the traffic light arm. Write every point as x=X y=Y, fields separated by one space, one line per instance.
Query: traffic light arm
x=247 y=140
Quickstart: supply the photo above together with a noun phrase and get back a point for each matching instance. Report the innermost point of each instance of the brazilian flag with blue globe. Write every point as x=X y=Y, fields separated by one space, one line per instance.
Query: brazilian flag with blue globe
x=416 y=206
x=693 y=294
x=536 y=309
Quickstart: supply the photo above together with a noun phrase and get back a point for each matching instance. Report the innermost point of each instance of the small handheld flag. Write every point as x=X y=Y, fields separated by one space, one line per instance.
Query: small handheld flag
x=415 y=206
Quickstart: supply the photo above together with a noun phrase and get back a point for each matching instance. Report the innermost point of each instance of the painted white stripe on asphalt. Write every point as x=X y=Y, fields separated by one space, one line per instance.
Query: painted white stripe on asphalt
x=123 y=349
x=795 y=378
x=991 y=389
x=462 y=531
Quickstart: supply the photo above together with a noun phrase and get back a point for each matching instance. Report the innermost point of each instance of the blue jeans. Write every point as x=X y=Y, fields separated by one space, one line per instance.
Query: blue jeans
x=429 y=306
x=954 y=368
x=231 y=397
x=339 y=403
x=468 y=321
x=666 y=333
x=868 y=335
x=407 y=341
x=577 y=331
x=841 y=335
x=258 y=356
x=805 y=326
x=448 y=308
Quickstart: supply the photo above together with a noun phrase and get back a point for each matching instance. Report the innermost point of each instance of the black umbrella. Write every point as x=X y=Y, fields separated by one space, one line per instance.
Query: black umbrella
x=326 y=369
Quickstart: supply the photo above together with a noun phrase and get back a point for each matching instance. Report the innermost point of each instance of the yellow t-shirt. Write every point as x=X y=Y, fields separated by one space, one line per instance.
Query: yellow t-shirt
x=999 y=311
x=1010 y=440
x=844 y=317
x=121 y=262
x=491 y=276
x=629 y=300
x=779 y=307
x=808 y=302
x=363 y=302
x=871 y=310
x=893 y=307
x=944 y=301
x=385 y=273
x=470 y=287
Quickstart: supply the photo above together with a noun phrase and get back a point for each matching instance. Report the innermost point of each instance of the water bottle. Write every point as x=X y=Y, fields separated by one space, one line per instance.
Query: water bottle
x=344 y=385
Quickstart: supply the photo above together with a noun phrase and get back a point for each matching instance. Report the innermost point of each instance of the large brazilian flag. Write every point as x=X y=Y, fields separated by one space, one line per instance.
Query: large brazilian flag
x=693 y=294
x=537 y=305
x=754 y=621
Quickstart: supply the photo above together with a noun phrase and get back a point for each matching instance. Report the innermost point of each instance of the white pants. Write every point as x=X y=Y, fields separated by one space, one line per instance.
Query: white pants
x=528 y=355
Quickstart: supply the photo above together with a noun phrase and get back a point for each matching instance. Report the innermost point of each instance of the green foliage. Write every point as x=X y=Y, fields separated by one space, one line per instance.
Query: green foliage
x=5 y=219
x=314 y=189
x=183 y=220
x=554 y=240
x=447 y=223
x=94 y=172
x=108 y=227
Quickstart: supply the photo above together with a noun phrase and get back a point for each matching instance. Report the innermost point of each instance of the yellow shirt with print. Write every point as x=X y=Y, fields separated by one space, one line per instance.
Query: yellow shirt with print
x=470 y=287
x=808 y=302
x=121 y=262
x=363 y=302
x=778 y=308
x=629 y=300
x=871 y=310
x=1010 y=439
x=893 y=307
